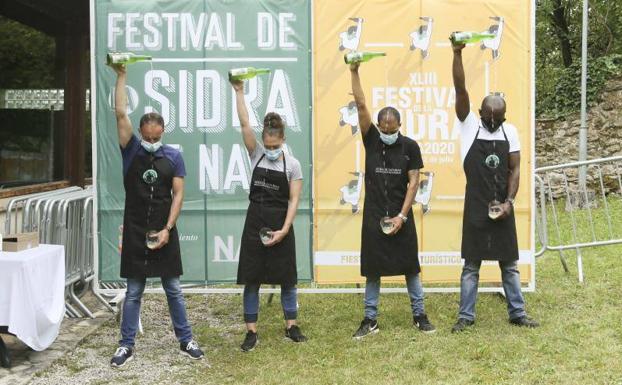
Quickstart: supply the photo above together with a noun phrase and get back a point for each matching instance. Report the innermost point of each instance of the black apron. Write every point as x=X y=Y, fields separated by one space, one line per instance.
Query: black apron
x=483 y=238
x=147 y=207
x=386 y=183
x=269 y=199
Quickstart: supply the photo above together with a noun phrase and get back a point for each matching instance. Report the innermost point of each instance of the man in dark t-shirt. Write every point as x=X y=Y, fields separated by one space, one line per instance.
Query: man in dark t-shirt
x=153 y=178
x=388 y=235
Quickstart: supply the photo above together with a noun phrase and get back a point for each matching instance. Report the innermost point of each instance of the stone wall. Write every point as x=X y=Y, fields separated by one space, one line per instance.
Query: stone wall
x=557 y=141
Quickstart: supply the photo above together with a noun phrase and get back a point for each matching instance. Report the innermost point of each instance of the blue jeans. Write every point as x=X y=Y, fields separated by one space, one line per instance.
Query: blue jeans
x=251 y=302
x=372 y=294
x=176 y=308
x=511 y=286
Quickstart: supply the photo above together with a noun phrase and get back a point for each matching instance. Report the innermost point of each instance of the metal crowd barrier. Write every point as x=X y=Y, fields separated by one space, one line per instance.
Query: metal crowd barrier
x=576 y=206
x=63 y=217
x=15 y=204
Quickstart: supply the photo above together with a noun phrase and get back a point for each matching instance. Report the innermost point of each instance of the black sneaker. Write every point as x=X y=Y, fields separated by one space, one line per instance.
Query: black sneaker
x=423 y=324
x=461 y=325
x=367 y=327
x=294 y=334
x=191 y=349
x=250 y=341
x=122 y=356
x=5 y=358
x=524 y=321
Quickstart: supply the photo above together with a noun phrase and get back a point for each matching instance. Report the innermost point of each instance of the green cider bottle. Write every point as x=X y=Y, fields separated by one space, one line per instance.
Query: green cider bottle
x=470 y=37
x=246 y=73
x=359 y=57
x=125 y=58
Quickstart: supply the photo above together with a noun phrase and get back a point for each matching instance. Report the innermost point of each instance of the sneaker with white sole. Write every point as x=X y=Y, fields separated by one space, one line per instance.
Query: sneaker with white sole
x=122 y=356
x=191 y=349
x=423 y=324
x=368 y=326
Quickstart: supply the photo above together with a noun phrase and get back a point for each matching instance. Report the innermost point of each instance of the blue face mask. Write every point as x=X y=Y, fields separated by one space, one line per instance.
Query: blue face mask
x=273 y=154
x=388 y=139
x=151 y=147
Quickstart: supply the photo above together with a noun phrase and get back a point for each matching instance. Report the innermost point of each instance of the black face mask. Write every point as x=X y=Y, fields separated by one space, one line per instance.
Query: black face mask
x=492 y=125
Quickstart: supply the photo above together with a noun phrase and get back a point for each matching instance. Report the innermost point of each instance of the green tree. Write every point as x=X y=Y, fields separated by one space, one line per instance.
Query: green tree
x=558 y=52
x=27 y=56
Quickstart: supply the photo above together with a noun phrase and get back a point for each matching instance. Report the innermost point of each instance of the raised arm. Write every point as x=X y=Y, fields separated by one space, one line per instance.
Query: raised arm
x=124 y=126
x=462 y=96
x=247 y=132
x=359 y=99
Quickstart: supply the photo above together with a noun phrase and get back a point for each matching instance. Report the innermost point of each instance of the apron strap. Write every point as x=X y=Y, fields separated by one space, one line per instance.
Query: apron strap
x=502 y=131
x=479 y=126
x=257 y=165
x=504 y=135
x=284 y=165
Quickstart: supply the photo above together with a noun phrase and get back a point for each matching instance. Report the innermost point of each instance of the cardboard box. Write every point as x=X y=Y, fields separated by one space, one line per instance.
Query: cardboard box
x=19 y=242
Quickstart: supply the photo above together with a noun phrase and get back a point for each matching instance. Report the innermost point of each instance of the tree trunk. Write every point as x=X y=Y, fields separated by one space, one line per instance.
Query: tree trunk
x=560 y=23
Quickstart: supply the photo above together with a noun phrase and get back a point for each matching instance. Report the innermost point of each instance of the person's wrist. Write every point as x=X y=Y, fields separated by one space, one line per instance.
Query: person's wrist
x=168 y=228
x=403 y=217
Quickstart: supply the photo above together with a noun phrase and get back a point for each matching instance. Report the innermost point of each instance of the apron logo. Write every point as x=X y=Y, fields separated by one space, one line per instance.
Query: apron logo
x=492 y=161
x=264 y=184
x=150 y=176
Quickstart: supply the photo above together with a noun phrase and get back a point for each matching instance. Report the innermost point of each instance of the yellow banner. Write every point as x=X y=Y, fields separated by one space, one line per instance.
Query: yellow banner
x=415 y=77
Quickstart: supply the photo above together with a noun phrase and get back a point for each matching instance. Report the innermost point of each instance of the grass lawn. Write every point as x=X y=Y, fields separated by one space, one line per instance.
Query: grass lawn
x=579 y=342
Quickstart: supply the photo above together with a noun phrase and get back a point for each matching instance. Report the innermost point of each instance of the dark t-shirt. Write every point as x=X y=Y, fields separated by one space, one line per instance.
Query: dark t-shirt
x=386 y=169
x=386 y=185
x=134 y=149
x=411 y=148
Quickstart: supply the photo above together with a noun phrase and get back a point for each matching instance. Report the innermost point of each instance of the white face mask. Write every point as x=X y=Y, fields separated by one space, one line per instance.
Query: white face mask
x=388 y=139
x=151 y=147
x=273 y=154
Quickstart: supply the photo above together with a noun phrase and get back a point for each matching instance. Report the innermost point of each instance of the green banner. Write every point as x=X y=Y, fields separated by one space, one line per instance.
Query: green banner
x=193 y=45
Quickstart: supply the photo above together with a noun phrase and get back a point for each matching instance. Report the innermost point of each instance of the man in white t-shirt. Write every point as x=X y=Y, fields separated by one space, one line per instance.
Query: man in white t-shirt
x=490 y=153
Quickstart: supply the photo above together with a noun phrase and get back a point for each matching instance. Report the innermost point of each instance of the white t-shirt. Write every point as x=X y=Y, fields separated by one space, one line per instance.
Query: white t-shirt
x=470 y=126
x=294 y=171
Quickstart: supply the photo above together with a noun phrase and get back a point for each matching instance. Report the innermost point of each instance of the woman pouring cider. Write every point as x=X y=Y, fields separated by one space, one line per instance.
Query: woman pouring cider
x=268 y=249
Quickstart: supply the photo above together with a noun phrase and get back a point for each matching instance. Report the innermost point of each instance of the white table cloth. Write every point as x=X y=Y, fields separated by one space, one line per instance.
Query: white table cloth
x=32 y=294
